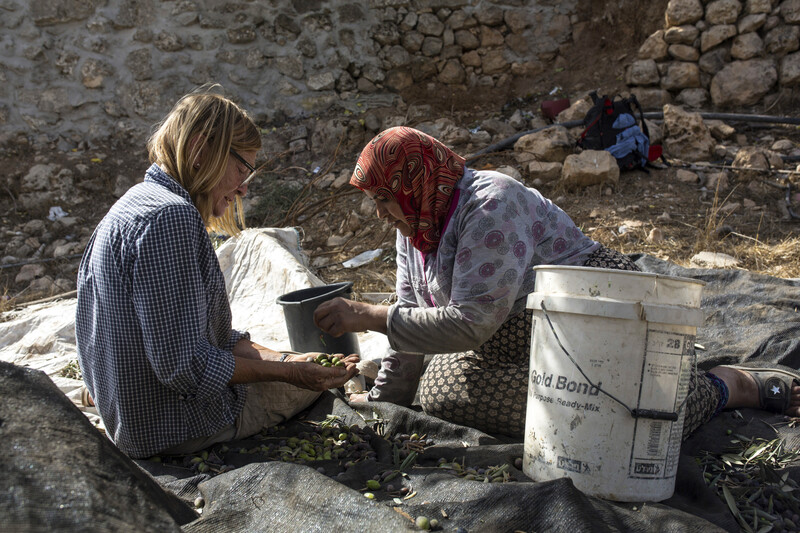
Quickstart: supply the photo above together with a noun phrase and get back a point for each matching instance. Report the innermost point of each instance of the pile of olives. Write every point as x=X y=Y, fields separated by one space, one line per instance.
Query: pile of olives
x=346 y=444
x=328 y=440
x=206 y=462
x=327 y=359
x=490 y=474
x=406 y=443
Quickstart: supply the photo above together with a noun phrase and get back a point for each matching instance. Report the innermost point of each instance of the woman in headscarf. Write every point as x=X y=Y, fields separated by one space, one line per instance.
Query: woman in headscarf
x=467 y=242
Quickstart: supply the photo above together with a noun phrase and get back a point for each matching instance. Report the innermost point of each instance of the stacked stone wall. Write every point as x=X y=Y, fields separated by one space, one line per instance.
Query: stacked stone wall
x=78 y=69
x=727 y=54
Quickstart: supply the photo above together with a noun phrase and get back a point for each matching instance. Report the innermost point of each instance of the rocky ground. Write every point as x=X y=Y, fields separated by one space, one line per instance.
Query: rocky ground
x=740 y=220
x=54 y=193
x=674 y=212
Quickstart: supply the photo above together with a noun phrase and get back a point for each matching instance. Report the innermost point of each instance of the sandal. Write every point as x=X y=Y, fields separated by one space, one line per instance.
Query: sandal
x=86 y=398
x=774 y=384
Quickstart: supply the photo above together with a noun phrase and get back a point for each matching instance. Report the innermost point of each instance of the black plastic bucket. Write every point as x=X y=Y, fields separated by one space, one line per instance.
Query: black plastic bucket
x=304 y=335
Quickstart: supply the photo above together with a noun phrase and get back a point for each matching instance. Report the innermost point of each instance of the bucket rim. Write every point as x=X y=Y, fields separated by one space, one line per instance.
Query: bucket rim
x=618 y=271
x=311 y=293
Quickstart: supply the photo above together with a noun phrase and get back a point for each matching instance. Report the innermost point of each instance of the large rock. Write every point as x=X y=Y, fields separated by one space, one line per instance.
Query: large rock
x=61 y=474
x=758 y=6
x=715 y=60
x=681 y=12
x=782 y=40
x=494 y=62
x=643 y=72
x=716 y=35
x=654 y=47
x=550 y=145
x=51 y=12
x=686 y=136
x=491 y=37
x=747 y=46
x=322 y=81
x=790 y=70
x=751 y=160
x=651 y=97
x=576 y=111
x=590 y=167
x=681 y=75
x=543 y=171
x=723 y=11
x=743 y=83
x=750 y=23
x=452 y=73
x=139 y=63
x=290 y=65
x=682 y=35
x=790 y=11
x=695 y=98
x=94 y=71
x=40 y=177
x=429 y=24
x=684 y=52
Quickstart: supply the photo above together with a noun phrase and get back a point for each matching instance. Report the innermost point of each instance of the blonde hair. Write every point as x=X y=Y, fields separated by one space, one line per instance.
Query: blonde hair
x=219 y=125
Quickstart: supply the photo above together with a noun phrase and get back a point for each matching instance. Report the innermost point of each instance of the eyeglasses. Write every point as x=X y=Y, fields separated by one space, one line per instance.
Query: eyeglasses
x=250 y=167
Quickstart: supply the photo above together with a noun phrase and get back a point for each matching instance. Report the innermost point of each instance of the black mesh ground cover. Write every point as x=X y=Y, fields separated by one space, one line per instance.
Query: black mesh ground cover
x=58 y=467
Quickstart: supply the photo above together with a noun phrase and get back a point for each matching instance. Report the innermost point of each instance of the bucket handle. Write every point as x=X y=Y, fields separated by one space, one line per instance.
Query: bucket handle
x=635 y=412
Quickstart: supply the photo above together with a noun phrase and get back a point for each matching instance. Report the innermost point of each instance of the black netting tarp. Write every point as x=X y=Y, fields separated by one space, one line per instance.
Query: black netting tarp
x=59 y=473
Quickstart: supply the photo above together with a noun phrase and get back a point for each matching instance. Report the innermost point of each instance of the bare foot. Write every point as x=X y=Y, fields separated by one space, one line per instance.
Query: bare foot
x=744 y=391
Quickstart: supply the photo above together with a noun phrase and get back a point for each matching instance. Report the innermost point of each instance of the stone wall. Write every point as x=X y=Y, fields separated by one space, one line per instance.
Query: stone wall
x=725 y=53
x=72 y=70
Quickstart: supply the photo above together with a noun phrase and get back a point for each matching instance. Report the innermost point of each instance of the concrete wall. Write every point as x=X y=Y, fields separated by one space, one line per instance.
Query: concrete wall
x=72 y=70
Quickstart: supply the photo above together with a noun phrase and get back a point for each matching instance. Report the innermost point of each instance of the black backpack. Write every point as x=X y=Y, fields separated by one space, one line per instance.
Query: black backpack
x=612 y=125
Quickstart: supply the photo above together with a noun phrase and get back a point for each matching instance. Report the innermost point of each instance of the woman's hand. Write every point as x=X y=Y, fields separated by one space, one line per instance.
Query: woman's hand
x=340 y=315
x=319 y=378
x=359 y=397
x=309 y=357
x=296 y=371
x=301 y=357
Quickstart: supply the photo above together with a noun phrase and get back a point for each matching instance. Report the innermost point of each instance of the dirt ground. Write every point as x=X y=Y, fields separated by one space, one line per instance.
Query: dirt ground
x=653 y=213
x=688 y=218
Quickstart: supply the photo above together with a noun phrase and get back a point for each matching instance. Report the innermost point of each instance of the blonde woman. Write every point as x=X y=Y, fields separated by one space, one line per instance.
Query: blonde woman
x=160 y=360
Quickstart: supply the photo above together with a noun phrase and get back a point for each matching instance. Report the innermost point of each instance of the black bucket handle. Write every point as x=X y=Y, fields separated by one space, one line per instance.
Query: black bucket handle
x=635 y=412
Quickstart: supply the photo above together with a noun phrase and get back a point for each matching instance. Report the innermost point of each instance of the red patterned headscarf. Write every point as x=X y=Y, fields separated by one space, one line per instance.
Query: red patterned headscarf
x=416 y=170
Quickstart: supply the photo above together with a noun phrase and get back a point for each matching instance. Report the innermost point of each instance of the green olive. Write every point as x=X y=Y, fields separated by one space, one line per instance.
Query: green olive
x=423 y=522
x=373 y=484
x=369 y=495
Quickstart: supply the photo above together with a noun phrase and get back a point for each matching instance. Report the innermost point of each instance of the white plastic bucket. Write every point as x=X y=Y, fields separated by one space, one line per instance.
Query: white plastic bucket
x=625 y=334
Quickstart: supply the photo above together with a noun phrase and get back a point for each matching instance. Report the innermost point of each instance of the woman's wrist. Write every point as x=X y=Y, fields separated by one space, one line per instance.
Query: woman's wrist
x=377 y=316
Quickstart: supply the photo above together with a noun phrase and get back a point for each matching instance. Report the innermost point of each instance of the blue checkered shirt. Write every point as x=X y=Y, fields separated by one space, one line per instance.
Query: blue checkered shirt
x=153 y=324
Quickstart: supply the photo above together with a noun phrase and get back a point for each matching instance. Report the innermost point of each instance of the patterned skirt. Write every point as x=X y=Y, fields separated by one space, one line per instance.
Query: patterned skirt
x=487 y=388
